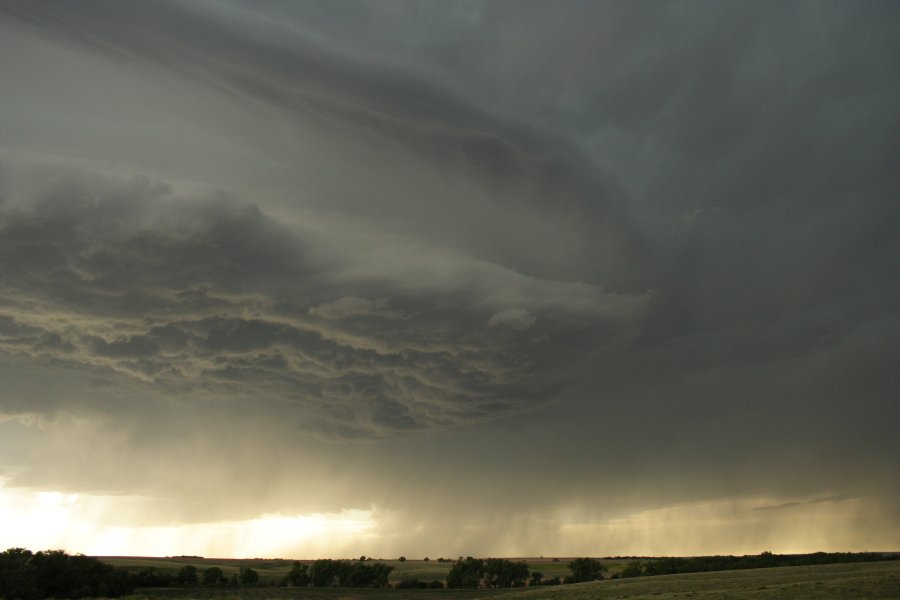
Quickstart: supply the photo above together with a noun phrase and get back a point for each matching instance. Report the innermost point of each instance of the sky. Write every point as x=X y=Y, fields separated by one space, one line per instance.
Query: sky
x=327 y=279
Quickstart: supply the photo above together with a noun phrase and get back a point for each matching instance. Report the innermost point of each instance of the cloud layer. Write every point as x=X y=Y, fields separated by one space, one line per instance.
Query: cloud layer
x=598 y=262
x=208 y=297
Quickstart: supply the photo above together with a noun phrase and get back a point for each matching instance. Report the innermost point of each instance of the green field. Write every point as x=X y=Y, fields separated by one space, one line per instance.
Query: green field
x=861 y=580
x=879 y=580
x=270 y=570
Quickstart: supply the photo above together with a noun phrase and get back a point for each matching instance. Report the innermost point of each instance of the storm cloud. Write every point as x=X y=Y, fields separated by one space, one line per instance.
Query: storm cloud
x=208 y=296
x=609 y=264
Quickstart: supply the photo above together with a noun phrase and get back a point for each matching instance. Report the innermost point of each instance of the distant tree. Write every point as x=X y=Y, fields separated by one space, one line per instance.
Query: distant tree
x=632 y=569
x=326 y=572
x=213 y=576
x=466 y=573
x=248 y=576
x=362 y=558
x=502 y=573
x=187 y=576
x=361 y=575
x=585 y=569
x=536 y=578
x=298 y=576
x=426 y=559
x=323 y=572
x=402 y=559
x=152 y=577
x=55 y=574
x=380 y=573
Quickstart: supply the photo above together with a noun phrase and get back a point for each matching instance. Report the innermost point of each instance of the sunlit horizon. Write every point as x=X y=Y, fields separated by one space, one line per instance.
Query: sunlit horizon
x=76 y=523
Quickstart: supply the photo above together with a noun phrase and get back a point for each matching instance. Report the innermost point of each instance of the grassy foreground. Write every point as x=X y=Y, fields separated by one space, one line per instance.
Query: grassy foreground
x=860 y=580
x=857 y=580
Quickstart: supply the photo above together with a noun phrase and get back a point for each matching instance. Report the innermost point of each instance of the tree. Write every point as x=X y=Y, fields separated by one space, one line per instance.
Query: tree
x=152 y=578
x=322 y=572
x=402 y=559
x=632 y=569
x=466 y=573
x=213 y=576
x=360 y=574
x=585 y=569
x=326 y=572
x=248 y=576
x=379 y=573
x=536 y=577
x=55 y=574
x=298 y=576
x=18 y=577
x=187 y=576
x=502 y=573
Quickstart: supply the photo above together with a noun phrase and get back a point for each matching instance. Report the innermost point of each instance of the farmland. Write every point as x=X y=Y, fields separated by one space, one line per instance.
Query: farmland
x=859 y=580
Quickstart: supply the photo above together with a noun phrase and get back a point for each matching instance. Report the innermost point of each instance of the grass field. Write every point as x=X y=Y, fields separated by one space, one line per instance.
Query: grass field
x=860 y=580
x=270 y=570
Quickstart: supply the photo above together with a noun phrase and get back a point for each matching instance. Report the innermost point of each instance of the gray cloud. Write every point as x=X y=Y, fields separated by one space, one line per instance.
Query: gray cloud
x=593 y=259
x=209 y=296
x=525 y=169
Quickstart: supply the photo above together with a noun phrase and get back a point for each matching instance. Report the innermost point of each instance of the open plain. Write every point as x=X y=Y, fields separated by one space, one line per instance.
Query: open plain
x=861 y=580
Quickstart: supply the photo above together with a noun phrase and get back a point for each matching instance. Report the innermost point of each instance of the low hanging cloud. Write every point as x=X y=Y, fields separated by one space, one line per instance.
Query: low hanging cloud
x=352 y=306
x=209 y=297
x=514 y=318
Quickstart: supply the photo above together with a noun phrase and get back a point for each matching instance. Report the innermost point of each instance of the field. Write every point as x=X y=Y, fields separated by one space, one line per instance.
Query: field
x=860 y=580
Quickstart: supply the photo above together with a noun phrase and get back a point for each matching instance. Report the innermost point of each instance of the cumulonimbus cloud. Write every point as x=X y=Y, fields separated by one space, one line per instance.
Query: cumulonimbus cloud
x=210 y=297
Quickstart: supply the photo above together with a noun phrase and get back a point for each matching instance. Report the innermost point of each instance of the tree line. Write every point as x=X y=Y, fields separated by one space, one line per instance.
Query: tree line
x=700 y=564
x=472 y=572
x=27 y=575
x=54 y=574
x=340 y=573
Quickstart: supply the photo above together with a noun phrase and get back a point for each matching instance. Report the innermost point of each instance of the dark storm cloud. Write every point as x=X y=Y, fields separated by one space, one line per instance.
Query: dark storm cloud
x=658 y=239
x=525 y=167
x=209 y=297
